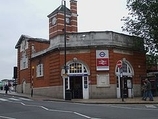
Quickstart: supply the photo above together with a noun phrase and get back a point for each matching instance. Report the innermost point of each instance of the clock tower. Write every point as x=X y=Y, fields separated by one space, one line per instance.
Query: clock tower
x=56 y=20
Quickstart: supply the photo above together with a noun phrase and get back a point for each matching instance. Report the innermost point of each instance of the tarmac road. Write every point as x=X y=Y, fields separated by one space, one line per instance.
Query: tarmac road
x=21 y=107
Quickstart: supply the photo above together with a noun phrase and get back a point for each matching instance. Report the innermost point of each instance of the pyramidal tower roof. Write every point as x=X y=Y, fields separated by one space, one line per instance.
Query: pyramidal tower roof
x=60 y=9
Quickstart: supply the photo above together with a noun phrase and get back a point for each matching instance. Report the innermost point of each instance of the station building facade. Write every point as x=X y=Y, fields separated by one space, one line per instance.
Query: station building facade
x=99 y=64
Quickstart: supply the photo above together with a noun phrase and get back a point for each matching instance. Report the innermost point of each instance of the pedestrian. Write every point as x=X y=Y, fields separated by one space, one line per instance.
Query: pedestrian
x=6 y=88
x=148 y=90
x=144 y=90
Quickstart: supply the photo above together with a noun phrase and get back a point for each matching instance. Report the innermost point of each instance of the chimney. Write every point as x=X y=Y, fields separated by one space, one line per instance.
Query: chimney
x=73 y=9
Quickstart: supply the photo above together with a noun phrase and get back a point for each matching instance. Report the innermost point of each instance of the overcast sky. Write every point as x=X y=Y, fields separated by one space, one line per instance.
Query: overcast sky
x=29 y=17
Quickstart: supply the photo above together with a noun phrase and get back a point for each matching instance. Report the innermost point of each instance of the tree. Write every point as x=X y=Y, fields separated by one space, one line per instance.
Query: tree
x=152 y=62
x=142 y=21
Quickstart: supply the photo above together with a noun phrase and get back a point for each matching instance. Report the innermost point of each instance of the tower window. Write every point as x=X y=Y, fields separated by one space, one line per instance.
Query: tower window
x=39 y=70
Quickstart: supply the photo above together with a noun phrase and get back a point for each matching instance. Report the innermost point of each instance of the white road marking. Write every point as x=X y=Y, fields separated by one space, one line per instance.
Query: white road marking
x=82 y=115
x=26 y=99
x=150 y=106
x=45 y=108
x=135 y=108
x=2 y=99
x=95 y=118
x=63 y=111
x=23 y=103
x=14 y=99
x=3 y=117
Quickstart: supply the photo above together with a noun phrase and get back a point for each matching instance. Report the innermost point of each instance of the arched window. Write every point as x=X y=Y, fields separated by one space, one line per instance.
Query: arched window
x=77 y=68
x=126 y=69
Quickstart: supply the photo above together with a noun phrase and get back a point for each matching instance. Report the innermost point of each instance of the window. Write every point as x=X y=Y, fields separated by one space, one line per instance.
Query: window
x=39 y=70
x=126 y=69
x=76 y=68
x=24 y=61
x=24 y=45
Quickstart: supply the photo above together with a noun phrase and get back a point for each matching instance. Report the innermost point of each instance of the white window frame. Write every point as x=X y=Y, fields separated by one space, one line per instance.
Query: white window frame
x=77 y=68
x=39 y=70
x=24 y=63
x=24 y=45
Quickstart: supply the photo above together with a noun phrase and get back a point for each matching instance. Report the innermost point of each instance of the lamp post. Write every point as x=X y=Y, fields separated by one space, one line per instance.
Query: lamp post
x=120 y=64
x=65 y=37
x=67 y=91
x=63 y=2
x=122 y=77
x=32 y=81
x=122 y=86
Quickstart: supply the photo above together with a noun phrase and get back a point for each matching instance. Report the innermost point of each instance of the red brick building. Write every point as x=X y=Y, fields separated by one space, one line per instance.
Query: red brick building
x=98 y=64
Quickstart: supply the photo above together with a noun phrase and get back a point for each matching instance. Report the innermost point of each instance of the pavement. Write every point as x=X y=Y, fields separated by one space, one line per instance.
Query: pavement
x=134 y=100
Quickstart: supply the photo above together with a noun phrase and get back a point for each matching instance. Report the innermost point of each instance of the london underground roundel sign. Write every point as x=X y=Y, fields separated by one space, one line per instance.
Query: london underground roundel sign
x=119 y=63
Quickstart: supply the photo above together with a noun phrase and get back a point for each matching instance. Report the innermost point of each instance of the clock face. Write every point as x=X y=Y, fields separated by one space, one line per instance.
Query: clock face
x=68 y=20
x=54 y=20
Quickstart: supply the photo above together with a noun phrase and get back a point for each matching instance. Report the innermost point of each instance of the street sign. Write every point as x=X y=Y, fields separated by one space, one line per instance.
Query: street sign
x=119 y=63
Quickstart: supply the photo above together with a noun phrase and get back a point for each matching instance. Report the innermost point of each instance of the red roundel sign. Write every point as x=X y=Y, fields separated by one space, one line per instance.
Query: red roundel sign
x=119 y=63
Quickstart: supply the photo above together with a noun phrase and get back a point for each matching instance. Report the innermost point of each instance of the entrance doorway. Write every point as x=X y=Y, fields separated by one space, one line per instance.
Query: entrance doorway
x=76 y=81
x=76 y=87
x=124 y=80
x=126 y=86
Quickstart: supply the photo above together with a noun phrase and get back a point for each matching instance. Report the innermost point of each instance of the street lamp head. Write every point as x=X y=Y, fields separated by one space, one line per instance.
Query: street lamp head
x=33 y=67
x=62 y=1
